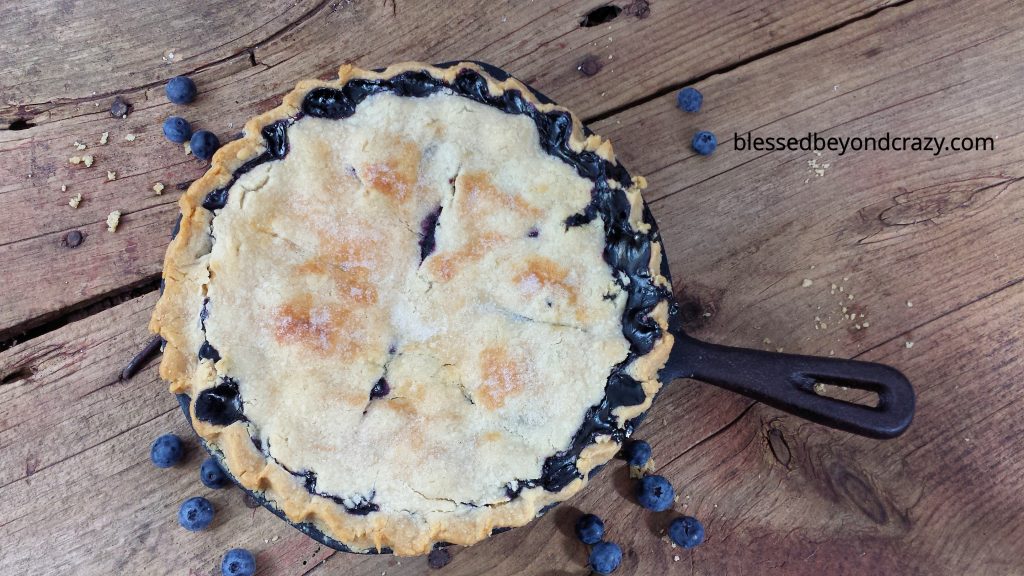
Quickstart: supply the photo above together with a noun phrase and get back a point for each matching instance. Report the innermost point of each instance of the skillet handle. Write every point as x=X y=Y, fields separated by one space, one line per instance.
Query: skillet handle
x=786 y=382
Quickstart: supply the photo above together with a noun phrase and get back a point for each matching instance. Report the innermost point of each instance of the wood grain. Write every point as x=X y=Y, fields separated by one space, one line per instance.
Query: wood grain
x=929 y=247
x=540 y=41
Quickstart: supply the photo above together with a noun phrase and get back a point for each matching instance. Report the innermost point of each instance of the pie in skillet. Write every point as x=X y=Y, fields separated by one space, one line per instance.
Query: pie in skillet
x=414 y=306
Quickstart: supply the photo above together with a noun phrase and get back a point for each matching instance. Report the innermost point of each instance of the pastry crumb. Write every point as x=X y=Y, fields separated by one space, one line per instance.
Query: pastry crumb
x=675 y=558
x=158 y=188
x=75 y=160
x=113 y=219
x=111 y=175
x=865 y=324
x=87 y=160
x=104 y=137
x=79 y=146
x=129 y=137
x=188 y=149
x=831 y=352
x=910 y=304
x=909 y=344
x=63 y=187
x=807 y=283
x=75 y=200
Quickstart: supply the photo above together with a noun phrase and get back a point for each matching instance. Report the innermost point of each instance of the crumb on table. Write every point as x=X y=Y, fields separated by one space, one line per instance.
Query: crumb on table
x=75 y=200
x=113 y=219
x=158 y=188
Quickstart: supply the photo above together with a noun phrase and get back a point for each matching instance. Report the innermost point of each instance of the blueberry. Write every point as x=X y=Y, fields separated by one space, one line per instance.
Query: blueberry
x=655 y=493
x=204 y=143
x=589 y=529
x=686 y=531
x=637 y=453
x=704 y=143
x=166 y=451
x=689 y=99
x=181 y=90
x=177 y=129
x=212 y=474
x=605 y=557
x=195 y=514
x=238 y=562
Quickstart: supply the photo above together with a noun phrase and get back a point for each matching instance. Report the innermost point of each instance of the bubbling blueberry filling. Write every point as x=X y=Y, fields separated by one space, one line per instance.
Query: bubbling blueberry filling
x=627 y=252
x=380 y=389
x=220 y=405
x=428 y=228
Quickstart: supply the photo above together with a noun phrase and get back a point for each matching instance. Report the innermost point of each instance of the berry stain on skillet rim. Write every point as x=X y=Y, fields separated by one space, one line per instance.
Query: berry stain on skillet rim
x=627 y=251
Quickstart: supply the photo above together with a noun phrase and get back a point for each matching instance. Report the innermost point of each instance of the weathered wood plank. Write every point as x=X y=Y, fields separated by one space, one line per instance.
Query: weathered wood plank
x=889 y=227
x=85 y=52
x=943 y=499
x=539 y=41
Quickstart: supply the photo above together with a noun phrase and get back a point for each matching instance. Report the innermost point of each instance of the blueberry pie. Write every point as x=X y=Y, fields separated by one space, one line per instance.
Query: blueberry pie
x=414 y=306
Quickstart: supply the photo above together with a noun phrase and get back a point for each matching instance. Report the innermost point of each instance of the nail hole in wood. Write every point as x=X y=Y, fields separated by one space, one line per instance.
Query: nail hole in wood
x=848 y=395
x=20 y=124
x=602 y=15
x=22 y=373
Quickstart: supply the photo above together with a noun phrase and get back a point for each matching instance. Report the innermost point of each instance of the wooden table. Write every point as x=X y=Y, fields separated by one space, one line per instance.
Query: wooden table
x=926 y=251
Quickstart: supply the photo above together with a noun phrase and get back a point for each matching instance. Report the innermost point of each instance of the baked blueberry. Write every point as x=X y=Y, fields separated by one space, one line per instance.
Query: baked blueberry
x=212 y=475
x=686 y=531
x=655 y=493
x=166 y=451
x=589 y=529
x=637 y=453
x=195 y=514
x=181 y=90
x=177 y=129
x=704 y=143
x=238 y=562
x=605 y=557
x=204 y=143
x=689 y=99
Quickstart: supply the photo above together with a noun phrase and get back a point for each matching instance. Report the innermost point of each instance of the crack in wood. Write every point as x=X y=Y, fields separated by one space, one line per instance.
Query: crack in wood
x=740 y=63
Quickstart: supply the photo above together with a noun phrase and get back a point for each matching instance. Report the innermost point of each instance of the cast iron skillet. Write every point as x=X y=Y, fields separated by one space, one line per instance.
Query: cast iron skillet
x=784 y=381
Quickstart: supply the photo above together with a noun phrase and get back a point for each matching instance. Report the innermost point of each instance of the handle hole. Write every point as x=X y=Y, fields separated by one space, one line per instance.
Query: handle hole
x=846 y=394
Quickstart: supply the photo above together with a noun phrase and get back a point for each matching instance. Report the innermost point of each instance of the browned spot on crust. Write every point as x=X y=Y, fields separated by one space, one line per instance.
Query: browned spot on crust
x=483 y=198
x=315 y=326
x=348 y=264
x=400 y=405
x=492 y=436
x=445 y=265
x=543 y=274
x=396 y=177
x=500 y=377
